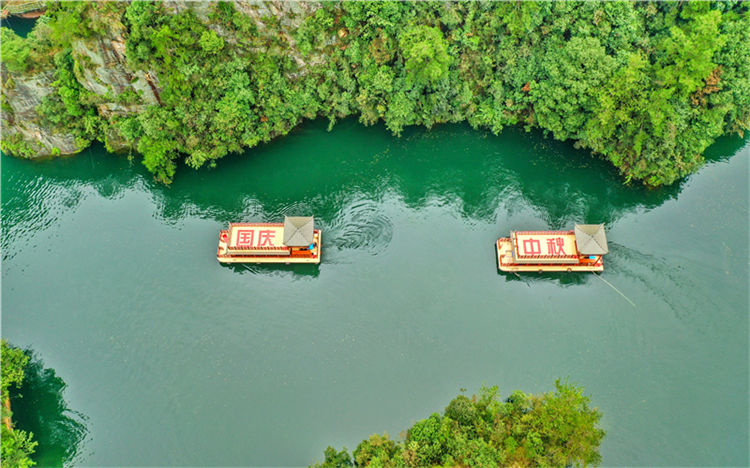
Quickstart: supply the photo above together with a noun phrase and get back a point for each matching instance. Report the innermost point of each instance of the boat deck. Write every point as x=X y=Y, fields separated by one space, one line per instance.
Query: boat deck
x=224 y=257
x=504 y=251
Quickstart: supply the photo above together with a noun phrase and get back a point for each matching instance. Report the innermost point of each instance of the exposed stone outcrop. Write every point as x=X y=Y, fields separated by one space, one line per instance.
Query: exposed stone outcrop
x=117 y=90
x=201 y=9
x=21 y=122
x=103 y=71
x=101 y=68
x=290 y=16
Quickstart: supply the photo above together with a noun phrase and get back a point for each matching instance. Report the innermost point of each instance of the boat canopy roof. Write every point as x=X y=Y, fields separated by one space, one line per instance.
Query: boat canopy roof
x=298 y=231
x=591 y=239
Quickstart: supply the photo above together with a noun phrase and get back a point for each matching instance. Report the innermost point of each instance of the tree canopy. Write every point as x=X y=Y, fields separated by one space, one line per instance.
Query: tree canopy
x=17 y=445
x=646 y=85
x=552 y=429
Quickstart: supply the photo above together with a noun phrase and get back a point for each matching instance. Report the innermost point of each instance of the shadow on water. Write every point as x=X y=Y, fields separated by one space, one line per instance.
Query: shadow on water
x=347 y=178
x=43 y=411
x=298 y=270
x=529 y=278
x=724 y=148
x=357 y=167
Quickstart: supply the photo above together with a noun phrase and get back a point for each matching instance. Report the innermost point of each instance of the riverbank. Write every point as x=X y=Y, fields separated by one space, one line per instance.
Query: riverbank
x=614 y=78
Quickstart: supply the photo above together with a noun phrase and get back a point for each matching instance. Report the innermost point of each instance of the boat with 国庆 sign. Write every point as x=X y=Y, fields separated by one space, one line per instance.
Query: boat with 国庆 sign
x=294 y=241
x=578 y=250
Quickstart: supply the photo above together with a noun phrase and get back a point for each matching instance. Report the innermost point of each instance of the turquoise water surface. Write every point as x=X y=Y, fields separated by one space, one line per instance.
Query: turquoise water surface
x=169 y=358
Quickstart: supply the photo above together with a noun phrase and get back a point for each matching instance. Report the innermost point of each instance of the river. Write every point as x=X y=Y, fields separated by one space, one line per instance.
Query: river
x=170 y=358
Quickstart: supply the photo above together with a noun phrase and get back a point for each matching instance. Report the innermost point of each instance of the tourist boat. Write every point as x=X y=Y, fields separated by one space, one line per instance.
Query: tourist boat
x=293 y=241
x=578 y=250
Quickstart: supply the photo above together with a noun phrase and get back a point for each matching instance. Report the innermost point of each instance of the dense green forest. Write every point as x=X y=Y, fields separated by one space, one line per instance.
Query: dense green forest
x=17 y=445
x=553 y=429
x=646 y=85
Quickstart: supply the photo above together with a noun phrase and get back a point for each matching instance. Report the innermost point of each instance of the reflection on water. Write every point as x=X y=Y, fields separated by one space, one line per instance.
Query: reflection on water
x=42 y=410
x=295 y=270
x=342 y=177
x=531 y=278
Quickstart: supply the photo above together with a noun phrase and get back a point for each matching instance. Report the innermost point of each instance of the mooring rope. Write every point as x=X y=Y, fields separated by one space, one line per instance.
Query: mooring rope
x=617 y=290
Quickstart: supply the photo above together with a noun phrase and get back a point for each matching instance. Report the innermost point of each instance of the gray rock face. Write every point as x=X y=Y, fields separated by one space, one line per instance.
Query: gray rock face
x=103 y=79
x=201 y=9
x=101 y=68
x=290 y=16
x=22 y=120
x=104 y=71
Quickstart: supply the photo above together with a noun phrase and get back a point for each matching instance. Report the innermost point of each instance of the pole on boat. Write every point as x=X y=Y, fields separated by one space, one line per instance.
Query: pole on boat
x=616 y=290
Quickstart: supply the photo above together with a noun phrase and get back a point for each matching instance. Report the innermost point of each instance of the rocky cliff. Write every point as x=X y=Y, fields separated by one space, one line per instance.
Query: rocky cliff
x=101 y=67
x=24 y=134
x=646 y=85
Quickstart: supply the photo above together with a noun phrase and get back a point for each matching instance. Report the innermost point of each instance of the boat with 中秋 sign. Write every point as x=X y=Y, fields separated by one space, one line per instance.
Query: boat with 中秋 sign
x=578 y=250
x=294 y=241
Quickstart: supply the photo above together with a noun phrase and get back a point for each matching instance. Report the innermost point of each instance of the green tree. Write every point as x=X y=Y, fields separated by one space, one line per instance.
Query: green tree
x=566 y=96
x=14 y=50
x=210 y=42
x=425 y=52
x=686 y=54
x=379 y=451
x=552 y=429
x=17 y=446
x=13 y=361
x=334 y=459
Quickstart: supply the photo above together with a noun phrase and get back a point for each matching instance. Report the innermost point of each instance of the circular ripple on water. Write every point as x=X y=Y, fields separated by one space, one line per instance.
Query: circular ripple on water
x=362 y=225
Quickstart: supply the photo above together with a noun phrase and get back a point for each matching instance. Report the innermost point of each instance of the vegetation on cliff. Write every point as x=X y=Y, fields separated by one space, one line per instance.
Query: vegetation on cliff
x=17 y=445
x=553 y=429
x=648 y=86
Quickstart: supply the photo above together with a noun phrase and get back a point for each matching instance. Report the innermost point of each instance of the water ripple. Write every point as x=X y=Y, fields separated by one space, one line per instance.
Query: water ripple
x=671 y=282
x=361 y=224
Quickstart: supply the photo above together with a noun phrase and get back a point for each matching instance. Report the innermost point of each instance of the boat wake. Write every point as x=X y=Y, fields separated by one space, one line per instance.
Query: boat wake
x=665 y=278
x=361 y=225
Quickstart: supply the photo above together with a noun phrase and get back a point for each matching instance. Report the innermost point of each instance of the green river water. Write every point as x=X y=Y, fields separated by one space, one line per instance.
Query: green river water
x=169 y=358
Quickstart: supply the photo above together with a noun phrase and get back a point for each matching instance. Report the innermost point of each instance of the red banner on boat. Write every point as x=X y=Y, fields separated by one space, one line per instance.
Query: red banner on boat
x=544 y=246
x=256 y=236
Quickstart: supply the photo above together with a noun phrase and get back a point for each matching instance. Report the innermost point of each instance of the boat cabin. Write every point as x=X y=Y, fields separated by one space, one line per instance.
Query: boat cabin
x=294 y=241
x=578 y=250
